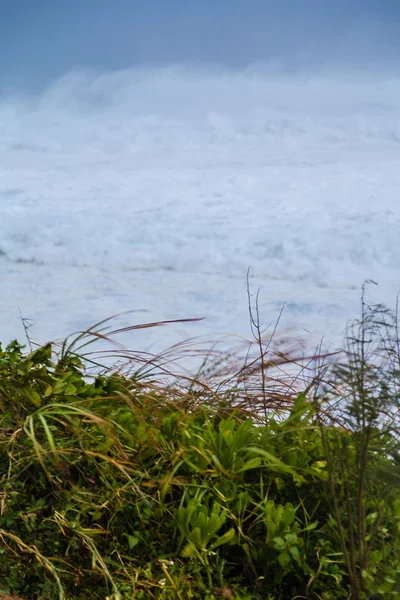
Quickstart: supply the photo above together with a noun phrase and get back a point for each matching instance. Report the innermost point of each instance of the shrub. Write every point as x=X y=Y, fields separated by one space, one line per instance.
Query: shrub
x=127 y=486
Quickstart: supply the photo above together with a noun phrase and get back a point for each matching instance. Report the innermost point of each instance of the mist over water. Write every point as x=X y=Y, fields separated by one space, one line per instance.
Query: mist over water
x=157 y=188
x=239 y=169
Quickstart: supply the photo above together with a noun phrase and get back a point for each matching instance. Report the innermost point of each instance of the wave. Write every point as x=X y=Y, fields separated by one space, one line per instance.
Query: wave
x=213 y=171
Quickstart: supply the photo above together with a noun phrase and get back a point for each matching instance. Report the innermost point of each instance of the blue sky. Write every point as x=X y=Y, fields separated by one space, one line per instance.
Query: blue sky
x=43 y=39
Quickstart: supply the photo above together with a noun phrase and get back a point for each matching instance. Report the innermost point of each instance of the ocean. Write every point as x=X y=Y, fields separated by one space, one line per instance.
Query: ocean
x=155 y=190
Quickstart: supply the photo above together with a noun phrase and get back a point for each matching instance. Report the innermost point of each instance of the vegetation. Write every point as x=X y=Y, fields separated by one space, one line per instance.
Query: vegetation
x=274 y=478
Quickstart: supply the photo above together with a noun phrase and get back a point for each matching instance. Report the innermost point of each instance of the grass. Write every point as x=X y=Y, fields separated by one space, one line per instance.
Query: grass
x=266 y=475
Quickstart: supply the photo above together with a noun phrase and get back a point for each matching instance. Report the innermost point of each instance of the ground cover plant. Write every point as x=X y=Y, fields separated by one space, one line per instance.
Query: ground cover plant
x=270 y=475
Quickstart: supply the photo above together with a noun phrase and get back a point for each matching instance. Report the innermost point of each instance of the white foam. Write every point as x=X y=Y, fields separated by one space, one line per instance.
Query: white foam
x=166 y=185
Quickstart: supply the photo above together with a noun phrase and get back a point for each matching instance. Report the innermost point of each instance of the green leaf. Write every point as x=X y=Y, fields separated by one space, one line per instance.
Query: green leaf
x=274 y=462
x=253 y=463
x=294 y=551
x=196 y=538
x=279 y=544
x=189 y=551
x=132 y=541
x=34 y=397
x=227 y=538
x=48 y=433
x=284 y=559
x=59 y=387
x=291 y=538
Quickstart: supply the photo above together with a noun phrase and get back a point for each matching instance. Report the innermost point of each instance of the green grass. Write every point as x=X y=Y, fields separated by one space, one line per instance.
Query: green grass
x=265 y=476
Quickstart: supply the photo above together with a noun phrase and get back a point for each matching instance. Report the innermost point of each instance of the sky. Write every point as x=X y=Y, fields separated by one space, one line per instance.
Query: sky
x=45 y=39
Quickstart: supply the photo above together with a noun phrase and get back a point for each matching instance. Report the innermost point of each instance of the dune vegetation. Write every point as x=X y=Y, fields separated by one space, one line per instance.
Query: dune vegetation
x=267 y=475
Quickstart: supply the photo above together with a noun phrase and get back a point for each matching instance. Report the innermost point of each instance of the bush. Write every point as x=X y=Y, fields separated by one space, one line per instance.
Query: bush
x=130 y=485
